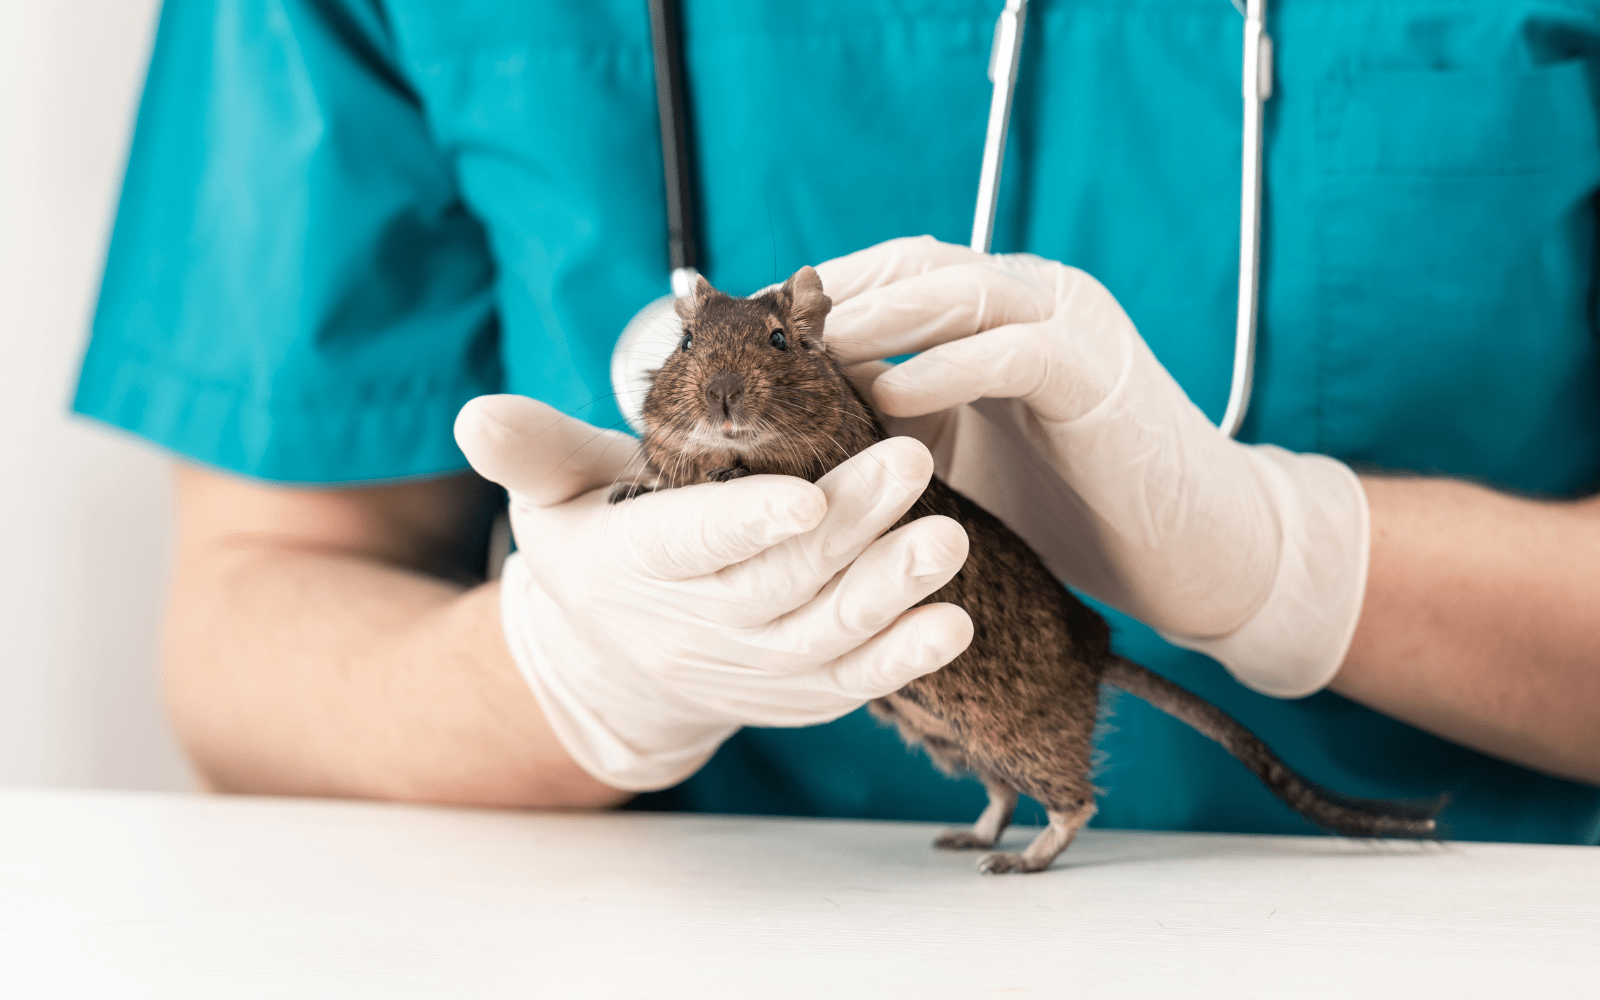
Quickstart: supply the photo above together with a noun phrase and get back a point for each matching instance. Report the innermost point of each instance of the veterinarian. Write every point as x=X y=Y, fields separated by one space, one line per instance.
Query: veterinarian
x=343 y=220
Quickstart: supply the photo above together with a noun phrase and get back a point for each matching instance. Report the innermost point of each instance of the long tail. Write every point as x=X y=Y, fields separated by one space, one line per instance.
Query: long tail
x=1341 y=814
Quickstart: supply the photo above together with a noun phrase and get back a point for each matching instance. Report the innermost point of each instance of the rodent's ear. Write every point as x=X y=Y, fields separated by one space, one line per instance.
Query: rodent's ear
x=808 y=305
x=687 y=305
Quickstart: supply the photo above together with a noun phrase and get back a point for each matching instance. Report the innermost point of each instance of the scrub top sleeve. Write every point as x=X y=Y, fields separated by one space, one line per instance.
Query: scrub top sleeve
x=294 y=290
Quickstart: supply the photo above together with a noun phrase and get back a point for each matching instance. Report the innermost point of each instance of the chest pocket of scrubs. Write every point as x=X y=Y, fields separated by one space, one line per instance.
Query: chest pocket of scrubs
x=1456 y=232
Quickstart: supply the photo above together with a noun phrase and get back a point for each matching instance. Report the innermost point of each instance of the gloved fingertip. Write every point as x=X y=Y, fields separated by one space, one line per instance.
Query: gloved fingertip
x=885 y=263
x=471 y=425
x=807 y=506
x=770 y=508
x=508 y=412
x=922 y=641
x=940 y=549
x=479 y=435
x=906 y=456
x=938 y=633
x=536 y=451
x=890 y=475
x=897 y=393
x=792 y=506
x=944 y=631
x=487 y=424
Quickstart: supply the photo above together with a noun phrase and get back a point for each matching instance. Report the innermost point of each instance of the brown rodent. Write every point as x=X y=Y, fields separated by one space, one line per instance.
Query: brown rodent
x=753 y=389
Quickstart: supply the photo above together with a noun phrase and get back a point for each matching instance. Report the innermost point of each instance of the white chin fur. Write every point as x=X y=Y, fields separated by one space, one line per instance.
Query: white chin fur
x=711 y=439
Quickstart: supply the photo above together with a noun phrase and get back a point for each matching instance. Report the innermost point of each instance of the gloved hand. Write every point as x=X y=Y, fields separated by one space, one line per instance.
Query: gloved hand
x=1082 y=442
x=652 y=629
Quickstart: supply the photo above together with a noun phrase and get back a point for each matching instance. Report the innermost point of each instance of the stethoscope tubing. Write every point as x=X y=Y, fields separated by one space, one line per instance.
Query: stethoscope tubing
x=677 y=144
x=1005 y=60
x=1257 y=87
x=1005 y=63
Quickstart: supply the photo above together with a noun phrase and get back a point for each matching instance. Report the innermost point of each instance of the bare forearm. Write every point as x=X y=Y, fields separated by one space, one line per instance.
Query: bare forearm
x=1480 y=622
x=316 y=673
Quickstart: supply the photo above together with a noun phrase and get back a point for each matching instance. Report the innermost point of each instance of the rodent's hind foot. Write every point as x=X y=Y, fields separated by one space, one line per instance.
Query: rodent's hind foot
x=729 y=472
x=628 y=491
x=1047 y=846
x=1009 y=862
x=963 y=839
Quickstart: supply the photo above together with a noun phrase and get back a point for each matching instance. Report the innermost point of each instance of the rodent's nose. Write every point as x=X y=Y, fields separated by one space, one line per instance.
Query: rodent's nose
x=724 y=393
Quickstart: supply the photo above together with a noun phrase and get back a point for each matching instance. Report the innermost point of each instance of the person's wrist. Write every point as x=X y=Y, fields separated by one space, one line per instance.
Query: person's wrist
x=615 y=724
x=1294 y=643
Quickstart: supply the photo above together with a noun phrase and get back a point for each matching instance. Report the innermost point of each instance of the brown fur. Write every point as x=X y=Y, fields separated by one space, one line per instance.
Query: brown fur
x=1018 y=707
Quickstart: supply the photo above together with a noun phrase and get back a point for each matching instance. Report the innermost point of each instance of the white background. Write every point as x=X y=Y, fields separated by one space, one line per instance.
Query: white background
x=84 y=521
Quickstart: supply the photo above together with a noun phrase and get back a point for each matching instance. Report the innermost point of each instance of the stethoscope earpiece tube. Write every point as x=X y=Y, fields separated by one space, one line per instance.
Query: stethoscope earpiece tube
x=666 y=42
x=1005 y=59
x=1256 y=78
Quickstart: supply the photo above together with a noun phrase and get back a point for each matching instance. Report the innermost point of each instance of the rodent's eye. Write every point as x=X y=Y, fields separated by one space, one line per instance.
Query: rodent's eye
x=779 y=340
x=687 y=343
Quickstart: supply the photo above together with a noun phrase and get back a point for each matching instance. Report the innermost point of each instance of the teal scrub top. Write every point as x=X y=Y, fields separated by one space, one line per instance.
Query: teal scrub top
x=344 y=218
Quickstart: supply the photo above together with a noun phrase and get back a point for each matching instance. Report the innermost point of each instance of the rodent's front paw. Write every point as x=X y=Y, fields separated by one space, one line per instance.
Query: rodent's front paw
x=732 y=472
x=628 y=491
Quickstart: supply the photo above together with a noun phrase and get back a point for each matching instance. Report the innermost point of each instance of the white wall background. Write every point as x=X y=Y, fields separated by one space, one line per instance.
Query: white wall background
x=84 y=523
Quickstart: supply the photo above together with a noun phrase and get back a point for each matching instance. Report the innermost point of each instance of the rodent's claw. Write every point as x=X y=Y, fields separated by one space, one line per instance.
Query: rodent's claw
x=961 y=840
x=1005 y=862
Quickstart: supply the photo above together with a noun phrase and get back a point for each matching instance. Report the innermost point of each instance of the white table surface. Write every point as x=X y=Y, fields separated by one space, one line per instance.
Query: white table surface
x=132 y=895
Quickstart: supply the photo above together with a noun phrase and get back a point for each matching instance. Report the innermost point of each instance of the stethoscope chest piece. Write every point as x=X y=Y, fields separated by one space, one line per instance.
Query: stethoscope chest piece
x=650 y=336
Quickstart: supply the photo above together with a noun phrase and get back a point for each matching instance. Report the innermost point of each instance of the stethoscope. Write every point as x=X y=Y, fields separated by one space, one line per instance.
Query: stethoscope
x=654 y=331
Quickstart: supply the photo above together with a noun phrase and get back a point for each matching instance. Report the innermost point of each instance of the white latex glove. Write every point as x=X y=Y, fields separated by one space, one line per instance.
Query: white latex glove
x=652 y=629
x=1083 y=443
